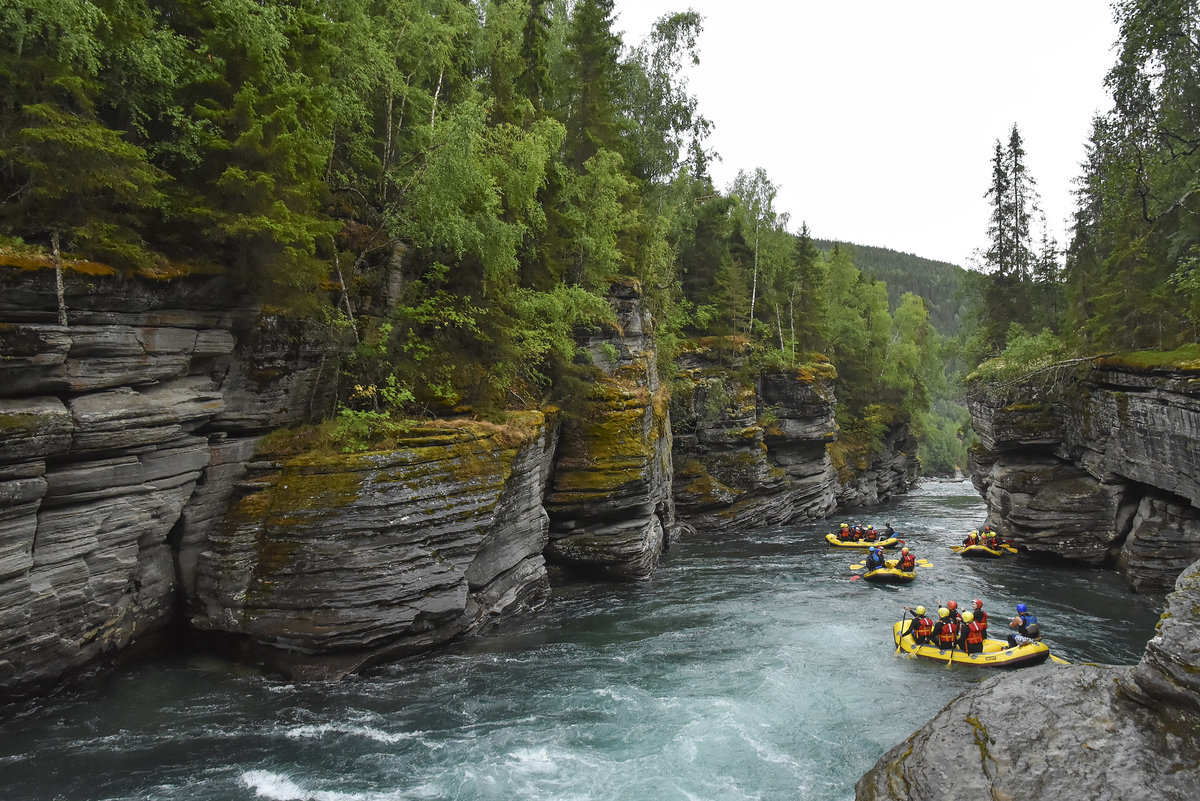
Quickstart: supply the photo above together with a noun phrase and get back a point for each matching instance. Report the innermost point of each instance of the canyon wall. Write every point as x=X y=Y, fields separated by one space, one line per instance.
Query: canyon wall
x=1096 y=462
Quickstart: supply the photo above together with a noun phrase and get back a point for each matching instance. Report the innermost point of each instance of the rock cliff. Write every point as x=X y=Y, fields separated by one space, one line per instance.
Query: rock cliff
x=750 y=446
x=1074 y=731
x=1096 y=462
x=108 y=425
x=328 y=562
x=141 y=485
x=610 y=505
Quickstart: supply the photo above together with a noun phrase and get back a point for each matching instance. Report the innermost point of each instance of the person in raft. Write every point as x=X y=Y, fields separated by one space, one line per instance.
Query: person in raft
x=970 y=637
x=888 y=532
x=990 y=538
x=874 y=559
x=908 y=562
x=945 y=631
x=980 y=615
x=844 y=533
x=1024 y=626
x=920 y=627
x=952 y=606
x=972 y=538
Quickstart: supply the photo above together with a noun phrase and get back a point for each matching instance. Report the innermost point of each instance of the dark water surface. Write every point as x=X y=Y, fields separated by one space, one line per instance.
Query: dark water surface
x=750 y=667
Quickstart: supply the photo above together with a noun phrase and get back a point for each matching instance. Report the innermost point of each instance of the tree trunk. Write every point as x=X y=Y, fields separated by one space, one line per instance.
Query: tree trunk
x=753 y=287
x=59 y=291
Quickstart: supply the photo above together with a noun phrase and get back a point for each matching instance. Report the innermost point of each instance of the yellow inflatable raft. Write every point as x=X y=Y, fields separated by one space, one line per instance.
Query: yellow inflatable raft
x=889 y=575
x=996 y=653
x=862 y=545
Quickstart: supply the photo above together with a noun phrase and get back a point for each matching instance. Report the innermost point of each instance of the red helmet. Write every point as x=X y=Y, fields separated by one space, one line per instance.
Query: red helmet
x=952 y=605
x=978 y=603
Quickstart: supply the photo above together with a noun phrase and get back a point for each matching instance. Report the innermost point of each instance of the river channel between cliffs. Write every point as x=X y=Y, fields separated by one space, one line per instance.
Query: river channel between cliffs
x=750 y=666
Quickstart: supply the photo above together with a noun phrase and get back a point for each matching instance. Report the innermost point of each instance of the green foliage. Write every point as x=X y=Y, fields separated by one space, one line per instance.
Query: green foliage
x=1023 y=354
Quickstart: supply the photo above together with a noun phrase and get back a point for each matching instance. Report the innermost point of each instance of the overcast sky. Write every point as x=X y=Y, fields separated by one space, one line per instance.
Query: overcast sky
x=878 y=120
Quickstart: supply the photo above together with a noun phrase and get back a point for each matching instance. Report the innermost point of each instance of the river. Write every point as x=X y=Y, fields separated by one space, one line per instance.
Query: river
x=750 y=667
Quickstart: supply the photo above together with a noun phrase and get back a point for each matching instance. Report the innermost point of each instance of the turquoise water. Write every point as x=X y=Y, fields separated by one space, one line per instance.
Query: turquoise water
x=750 y=667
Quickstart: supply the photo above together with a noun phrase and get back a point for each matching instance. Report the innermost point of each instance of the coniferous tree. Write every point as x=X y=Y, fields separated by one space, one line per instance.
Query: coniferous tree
x=593 y=105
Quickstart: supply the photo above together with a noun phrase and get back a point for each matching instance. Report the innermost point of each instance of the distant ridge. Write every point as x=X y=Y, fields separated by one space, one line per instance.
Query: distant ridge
x=939 y=283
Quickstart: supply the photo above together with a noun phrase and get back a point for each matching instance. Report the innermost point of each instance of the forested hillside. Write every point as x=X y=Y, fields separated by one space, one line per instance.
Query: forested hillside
x=455 y=184
x=938 y=283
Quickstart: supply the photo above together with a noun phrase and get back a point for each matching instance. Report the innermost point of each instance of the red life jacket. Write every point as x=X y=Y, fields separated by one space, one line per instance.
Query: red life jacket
x=974 y=632
x=907 y=562
x=981 y=617
x=924 y=626
x=948 y=633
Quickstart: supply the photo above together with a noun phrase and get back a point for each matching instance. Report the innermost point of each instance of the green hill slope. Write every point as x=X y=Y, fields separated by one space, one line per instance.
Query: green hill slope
x=938 y=282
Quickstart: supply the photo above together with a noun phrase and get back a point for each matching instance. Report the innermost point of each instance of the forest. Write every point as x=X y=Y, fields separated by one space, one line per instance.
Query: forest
x=1129 y=278
x=495 y=165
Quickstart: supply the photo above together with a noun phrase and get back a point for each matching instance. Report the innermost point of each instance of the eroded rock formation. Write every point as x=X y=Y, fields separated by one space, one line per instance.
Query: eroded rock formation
x=1096 y=462
x=328 y=562
x=610 y=505
x=750 y=448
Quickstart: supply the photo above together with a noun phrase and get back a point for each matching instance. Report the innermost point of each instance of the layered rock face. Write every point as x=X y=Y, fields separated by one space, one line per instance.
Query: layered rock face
x=1097 y=464
x=609 y=502
x=106 y=428
x=329 y=562
x=1066 y=731
x=752 y=452
x=891 y=472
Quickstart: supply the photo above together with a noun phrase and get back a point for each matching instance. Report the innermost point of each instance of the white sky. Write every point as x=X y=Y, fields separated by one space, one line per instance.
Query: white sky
x=878 y=119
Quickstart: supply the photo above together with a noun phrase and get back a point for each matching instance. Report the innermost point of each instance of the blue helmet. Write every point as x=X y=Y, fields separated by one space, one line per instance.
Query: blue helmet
x=872 y=549
x=1021 y=608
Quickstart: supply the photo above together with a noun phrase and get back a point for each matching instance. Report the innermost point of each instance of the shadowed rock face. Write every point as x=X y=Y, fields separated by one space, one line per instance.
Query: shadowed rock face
x=107 y=427
x=1066 y=731
x=1099 y=467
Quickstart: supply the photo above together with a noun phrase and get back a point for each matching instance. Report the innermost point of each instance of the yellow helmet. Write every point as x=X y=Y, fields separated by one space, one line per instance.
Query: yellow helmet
x=968 y=617
x=943 y=612
x=975 y=532
x=920 y=610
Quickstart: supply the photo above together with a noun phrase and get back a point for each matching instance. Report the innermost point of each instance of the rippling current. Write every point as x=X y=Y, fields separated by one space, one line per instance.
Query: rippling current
x=750 y=667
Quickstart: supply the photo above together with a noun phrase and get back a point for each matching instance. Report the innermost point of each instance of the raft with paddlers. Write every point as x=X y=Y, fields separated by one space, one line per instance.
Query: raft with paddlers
x=995 y=653
x=982 y=551
x=889 y=575
x=890 y=572
x=891 y=542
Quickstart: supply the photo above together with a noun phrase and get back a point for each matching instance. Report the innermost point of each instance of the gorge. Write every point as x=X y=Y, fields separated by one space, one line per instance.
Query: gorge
x=152 y=474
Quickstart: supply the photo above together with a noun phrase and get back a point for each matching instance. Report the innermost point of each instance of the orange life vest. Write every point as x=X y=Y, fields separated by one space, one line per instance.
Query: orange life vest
x=974 y=632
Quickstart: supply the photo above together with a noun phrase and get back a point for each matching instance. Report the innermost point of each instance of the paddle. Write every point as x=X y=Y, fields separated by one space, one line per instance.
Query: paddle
x=900 y=634
x=924 y=563
x=957 y=548
x=1059 y=660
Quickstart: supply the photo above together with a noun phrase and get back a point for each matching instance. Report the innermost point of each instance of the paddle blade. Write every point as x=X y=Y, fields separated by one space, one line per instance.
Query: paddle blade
x=857 y=567
x=855 y=578
x=924 y=563
x=1059 y=660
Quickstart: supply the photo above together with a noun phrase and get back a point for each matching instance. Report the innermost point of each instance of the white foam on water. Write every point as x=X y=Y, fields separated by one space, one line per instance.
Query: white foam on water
x=281 y=787
x=317 y=731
